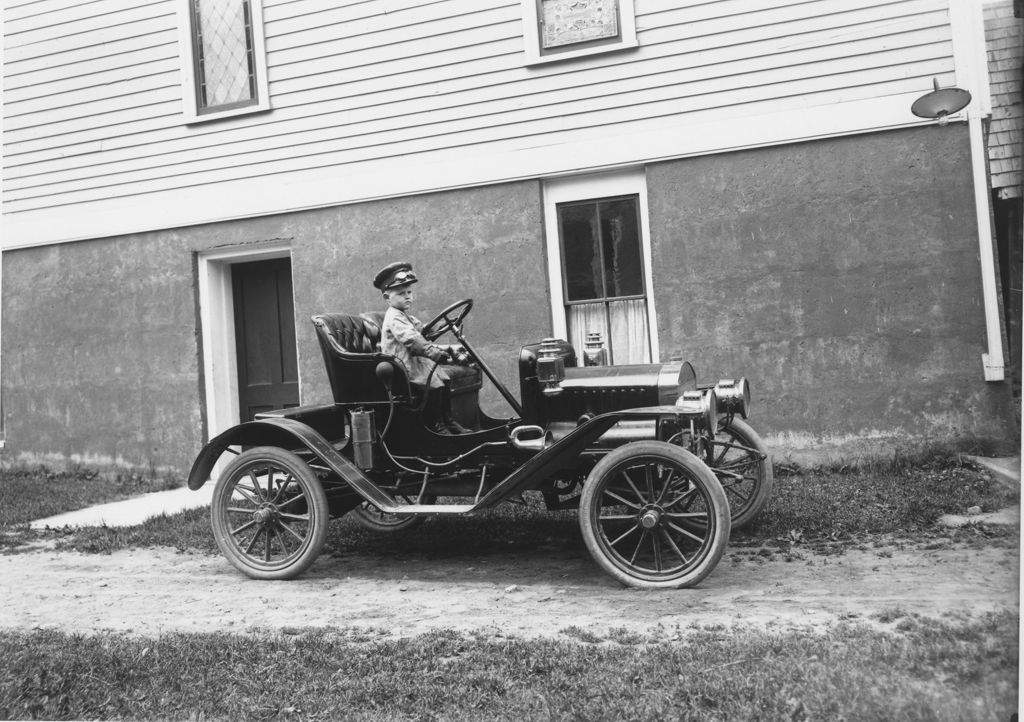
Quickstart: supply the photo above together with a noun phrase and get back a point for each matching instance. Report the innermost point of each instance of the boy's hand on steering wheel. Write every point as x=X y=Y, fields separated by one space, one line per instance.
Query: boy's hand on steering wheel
x=437 y=354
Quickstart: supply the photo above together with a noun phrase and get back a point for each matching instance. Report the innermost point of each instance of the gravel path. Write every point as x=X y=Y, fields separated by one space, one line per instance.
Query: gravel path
x=152 y=592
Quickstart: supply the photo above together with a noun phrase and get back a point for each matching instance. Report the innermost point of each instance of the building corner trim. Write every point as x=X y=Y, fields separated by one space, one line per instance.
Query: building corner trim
x=969 y=57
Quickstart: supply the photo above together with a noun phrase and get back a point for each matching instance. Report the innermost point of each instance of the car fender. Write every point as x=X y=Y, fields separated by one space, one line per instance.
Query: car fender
x=280 y=432
x=287 y=433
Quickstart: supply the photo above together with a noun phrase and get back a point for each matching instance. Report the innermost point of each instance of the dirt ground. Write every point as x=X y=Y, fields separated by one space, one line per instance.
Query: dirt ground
x=153 y=592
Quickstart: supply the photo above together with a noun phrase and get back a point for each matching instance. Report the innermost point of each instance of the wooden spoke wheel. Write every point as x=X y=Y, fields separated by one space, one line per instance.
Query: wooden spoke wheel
x=741 y=462
x=269 y=514
x=654 y=516
x=373 y=518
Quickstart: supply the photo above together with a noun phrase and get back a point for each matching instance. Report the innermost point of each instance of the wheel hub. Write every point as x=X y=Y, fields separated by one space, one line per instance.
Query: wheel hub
x=264 y=515
x=650 y=518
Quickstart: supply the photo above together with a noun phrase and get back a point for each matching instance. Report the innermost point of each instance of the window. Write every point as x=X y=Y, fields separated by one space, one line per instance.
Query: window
x=598 y=259
x=560 y=29
x=224 y=71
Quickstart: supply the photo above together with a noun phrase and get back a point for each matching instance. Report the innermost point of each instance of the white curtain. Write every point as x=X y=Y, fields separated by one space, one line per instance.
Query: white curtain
x=629 y=331
x=586 y=318
x=626 y=339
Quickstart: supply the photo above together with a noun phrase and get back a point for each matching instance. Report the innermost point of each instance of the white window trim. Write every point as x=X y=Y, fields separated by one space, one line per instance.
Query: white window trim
x=581 y=188
x=217 y=316
x=531 y=36
x=186 y=54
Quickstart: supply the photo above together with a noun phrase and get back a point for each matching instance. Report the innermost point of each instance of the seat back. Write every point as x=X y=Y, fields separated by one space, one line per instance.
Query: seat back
x=350 y=347
x=374 y=323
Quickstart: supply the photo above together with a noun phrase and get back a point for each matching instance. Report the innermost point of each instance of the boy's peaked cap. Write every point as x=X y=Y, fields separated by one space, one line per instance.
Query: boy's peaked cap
x=394 y=275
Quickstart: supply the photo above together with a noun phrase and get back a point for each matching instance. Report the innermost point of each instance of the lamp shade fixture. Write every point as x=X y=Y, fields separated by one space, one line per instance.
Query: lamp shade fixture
x=940 y=103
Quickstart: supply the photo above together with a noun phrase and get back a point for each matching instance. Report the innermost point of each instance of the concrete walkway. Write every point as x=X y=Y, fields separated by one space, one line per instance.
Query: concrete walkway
x=131 y=512
x=1005 y=469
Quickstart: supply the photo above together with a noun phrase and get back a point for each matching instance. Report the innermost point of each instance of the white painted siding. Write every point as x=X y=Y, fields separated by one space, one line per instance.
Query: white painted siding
x=378 y=97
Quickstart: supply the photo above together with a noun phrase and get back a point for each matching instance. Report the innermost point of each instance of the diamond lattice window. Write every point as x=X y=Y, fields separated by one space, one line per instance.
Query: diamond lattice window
x=225 y=68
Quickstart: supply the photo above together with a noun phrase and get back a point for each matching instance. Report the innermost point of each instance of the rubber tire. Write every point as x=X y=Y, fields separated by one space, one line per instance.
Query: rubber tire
x=317 y=508
x=744 y=515
x=370 y=521
x=696 y=471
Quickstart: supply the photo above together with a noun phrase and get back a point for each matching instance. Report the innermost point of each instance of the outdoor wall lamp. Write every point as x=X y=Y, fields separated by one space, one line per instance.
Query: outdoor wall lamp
x=940 y=103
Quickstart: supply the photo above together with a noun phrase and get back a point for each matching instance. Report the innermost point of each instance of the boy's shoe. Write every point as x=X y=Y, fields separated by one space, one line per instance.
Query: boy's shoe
x=438 y=427
x=454 y=427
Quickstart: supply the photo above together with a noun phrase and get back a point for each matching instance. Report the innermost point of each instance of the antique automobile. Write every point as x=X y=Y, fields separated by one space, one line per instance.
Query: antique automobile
x=659 y=467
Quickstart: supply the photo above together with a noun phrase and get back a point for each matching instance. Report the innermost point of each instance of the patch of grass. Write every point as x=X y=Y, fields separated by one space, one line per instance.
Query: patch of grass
x=31 y=493
x=188 y=531
x=823 y=504
x=886 y=616
x=827 y=510
x=927 y=670
x=927 y=455
x=621 y=635
x=581 y=635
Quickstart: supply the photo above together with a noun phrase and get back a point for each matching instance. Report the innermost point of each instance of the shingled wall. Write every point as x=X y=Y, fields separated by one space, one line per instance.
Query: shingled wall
x=1004 y=40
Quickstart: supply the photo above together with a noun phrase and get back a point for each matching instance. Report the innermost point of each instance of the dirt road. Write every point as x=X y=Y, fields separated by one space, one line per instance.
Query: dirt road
x=151 y=592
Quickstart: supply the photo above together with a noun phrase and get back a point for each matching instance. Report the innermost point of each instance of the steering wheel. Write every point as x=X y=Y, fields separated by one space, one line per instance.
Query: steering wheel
x=447 y=320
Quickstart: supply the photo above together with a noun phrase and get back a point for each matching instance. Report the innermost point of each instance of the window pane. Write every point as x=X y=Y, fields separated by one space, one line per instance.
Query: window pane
x=601 y=254
x=224 y=41
x=581 y=251
x=584 y=318
x=623 y=271
x=622 y=325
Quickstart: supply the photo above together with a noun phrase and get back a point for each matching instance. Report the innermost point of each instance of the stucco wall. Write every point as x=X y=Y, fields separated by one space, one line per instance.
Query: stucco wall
x=485 y=244
x=841 y=277
x=99 y=353
x=100 y=338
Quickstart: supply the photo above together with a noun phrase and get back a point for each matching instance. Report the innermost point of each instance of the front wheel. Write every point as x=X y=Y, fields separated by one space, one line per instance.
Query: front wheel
x=269 y=514
x=743 y=465
x=654 y=516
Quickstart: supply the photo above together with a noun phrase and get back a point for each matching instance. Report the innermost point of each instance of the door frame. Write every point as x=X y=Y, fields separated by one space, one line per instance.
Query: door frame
x=217 y=321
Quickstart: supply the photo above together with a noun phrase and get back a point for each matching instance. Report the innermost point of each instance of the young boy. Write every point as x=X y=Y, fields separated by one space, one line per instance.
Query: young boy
x=401 y=335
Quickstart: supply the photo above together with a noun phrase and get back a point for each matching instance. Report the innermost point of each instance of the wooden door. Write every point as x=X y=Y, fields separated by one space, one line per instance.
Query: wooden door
x=268 y=375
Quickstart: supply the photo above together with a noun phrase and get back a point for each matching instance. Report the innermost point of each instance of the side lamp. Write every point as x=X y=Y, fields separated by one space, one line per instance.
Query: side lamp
x=940 y=103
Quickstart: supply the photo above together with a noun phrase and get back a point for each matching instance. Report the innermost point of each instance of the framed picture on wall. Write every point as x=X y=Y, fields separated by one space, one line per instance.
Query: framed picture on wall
x=568 y=22
x=557 y=30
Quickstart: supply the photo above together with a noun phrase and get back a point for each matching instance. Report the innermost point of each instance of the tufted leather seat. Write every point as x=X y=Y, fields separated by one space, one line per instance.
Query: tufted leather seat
x=351 y=349
x=349 y=345
x=462 y=378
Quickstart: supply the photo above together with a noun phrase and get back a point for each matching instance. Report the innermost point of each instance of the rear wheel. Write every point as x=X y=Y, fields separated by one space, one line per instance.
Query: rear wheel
x=634 y=514
x=269 y=514
x=373 y=518
x=742 y=464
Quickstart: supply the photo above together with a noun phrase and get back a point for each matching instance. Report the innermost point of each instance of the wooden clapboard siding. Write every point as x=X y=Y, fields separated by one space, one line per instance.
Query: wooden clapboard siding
x=1004 y=41
x=93 y=107
x=420 y=88
x=443 y=110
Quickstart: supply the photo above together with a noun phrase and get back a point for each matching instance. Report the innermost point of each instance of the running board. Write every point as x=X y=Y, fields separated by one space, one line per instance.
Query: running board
x=424 y=509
